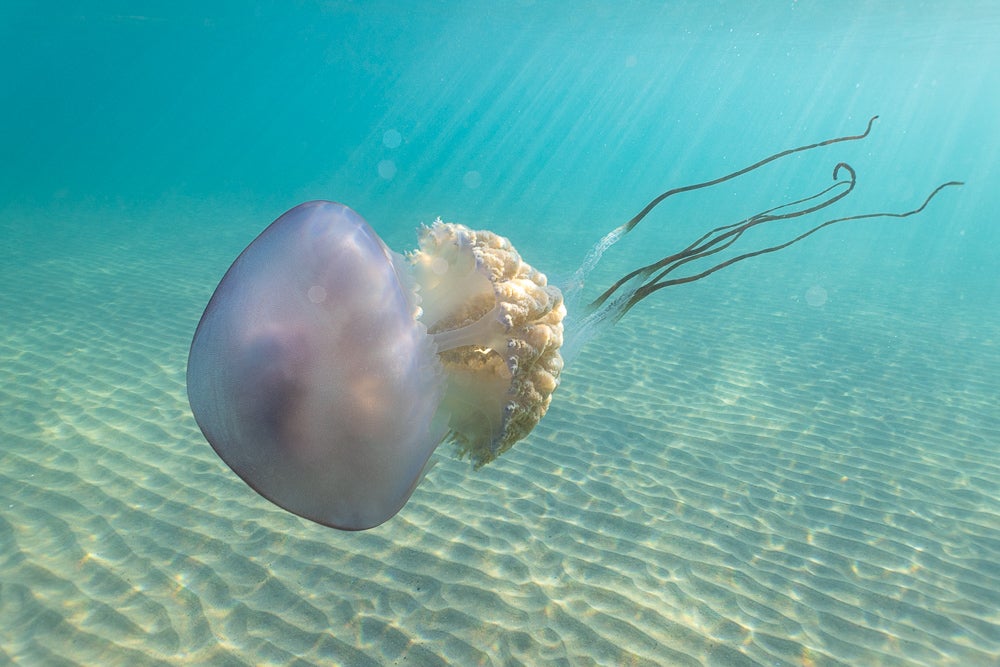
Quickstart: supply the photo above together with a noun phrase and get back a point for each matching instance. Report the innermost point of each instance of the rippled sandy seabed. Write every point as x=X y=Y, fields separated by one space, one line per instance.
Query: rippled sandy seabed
x=732 y=478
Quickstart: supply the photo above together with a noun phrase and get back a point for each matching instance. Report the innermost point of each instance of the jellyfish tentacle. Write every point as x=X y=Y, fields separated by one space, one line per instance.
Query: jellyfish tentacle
x=724 y=236
x=574 y=287
x=767 y=216
x=741 y=226
x=728 y=177
x=652 y=286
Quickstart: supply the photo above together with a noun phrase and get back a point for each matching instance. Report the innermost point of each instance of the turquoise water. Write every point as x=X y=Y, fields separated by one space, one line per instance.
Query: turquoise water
x=792 y=462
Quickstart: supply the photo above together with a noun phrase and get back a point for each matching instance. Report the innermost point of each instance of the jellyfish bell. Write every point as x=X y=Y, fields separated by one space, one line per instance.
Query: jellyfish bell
x=326 y=368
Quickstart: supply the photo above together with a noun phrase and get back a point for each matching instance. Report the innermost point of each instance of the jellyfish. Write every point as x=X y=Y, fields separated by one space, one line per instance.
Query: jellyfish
x=326 y=369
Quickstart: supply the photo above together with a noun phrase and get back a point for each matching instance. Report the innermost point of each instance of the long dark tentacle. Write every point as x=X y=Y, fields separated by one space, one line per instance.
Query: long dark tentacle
x=617 y=299
x=714 y=241
x=722 y=179
x=658 y=283
x=768 y=216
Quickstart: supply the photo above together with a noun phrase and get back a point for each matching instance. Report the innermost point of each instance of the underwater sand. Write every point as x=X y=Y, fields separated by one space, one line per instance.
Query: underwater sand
x=731 y=478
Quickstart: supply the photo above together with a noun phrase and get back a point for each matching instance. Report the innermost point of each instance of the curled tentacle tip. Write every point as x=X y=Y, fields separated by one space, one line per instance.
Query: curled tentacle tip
x=843 y=165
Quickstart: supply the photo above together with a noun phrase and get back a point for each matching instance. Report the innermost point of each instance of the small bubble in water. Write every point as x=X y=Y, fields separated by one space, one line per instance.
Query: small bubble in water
x=392 y=139
x=816 y=296
x=472 y=179
x=387 y=169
